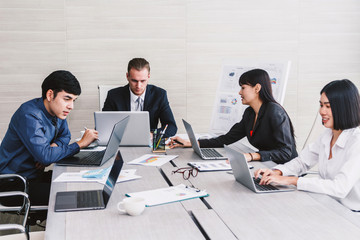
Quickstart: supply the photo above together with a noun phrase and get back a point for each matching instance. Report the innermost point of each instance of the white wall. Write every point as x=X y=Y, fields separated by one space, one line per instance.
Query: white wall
x=185 y=43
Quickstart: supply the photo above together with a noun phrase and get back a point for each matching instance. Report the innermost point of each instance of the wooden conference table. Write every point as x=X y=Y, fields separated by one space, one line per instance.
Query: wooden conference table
x=230 y=212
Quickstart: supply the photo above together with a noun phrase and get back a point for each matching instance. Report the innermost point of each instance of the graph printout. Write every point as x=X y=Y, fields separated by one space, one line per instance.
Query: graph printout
x=153 y=160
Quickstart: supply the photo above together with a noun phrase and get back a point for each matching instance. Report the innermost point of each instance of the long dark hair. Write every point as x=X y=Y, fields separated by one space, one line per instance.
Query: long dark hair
x=259 y=76
x=344 y=101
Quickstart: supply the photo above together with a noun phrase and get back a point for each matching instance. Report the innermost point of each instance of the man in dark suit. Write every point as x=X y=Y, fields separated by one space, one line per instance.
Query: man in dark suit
x=138 y=95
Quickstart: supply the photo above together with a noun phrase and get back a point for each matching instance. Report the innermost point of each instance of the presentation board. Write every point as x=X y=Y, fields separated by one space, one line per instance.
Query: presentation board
x=228 y=108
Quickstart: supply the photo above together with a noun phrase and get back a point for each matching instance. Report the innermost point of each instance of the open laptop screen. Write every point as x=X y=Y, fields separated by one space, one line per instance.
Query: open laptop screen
x=137 y=132
x=113 y=176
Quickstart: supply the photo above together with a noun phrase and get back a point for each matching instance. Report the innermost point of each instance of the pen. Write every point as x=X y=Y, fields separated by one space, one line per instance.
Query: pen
x=178 y=142
x=85 y=128
x=163 y=132
x=161 y=135
x=154 y=138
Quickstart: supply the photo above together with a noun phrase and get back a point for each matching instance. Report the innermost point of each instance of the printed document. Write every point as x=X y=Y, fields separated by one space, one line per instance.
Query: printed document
x=169 y=195
x=153 y=160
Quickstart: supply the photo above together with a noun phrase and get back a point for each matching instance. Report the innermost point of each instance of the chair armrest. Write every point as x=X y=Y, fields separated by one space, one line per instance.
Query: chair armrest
x=25 y=206
x=13 y=226
x=14 y=193
x=22 y=229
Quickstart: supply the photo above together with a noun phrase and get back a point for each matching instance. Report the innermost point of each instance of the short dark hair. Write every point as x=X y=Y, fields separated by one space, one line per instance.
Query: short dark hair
x=138 y=64
x=259 y=76
x=344 y=101
x=61 y=80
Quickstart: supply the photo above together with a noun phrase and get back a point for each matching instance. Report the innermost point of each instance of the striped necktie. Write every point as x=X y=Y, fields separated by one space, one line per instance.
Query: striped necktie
x=138 y=106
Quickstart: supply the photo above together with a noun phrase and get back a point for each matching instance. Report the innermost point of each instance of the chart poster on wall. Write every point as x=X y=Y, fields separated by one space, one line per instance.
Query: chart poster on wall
x=228 y=108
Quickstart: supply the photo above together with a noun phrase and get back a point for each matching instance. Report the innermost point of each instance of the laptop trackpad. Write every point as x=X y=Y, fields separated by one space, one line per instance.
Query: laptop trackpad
x=66 y=200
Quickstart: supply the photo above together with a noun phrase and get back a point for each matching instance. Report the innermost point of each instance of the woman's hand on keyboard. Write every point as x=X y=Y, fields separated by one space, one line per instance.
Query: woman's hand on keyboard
x=275 y=177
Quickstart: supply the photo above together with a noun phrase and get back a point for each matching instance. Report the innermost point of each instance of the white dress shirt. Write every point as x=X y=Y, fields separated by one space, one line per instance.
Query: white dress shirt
x=339 y=176
x=133 y=100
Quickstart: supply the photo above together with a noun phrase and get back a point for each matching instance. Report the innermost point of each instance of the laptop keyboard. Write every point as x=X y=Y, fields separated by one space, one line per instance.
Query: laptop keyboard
x=263 y=187
x=88 y=199
x=91 y=158
x=210 y=152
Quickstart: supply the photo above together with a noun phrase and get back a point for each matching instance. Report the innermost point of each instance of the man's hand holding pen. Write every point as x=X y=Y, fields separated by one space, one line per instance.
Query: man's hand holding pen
x=89 y=136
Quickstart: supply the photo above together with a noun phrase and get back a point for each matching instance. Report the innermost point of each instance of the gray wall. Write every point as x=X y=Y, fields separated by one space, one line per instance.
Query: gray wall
x=185 y=43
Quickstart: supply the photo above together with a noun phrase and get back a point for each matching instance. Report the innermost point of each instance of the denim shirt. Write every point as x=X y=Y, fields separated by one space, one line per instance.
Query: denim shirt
x=28 y=138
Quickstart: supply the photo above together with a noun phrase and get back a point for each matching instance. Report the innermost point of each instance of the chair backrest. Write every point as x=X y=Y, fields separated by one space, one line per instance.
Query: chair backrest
x=316 y=129
x=103 y=90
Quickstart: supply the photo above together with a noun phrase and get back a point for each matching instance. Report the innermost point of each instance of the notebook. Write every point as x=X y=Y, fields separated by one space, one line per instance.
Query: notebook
x=92 y=199
x=98 y=158
x=137 y=132
x=243 y=175
x=204 y=153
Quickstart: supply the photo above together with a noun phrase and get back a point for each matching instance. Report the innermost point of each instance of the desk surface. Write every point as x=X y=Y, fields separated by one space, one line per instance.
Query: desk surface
x=230 y=212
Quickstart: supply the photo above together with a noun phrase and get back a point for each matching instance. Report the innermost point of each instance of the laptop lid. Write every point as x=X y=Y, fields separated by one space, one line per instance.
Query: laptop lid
x=112 y=178
x=137 y=132
x=192 y=138
x=111 y=148
x=68 y=201
x=240 y=168
x=115 y=138
x=242 y=172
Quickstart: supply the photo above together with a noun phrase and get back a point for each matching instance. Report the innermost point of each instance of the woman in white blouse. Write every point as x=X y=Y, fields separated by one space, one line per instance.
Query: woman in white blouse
x=337 y=150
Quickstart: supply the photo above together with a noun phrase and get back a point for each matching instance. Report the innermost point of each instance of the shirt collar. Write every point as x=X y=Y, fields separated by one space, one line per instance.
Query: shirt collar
x=40 y=103
x=134 y=97
x=343 y=138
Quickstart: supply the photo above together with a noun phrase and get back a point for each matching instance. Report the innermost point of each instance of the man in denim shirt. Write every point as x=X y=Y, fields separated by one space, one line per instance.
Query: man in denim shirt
x=38 y=135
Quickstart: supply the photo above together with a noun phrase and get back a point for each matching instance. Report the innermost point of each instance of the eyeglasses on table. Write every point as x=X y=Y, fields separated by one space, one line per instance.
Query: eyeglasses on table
x=187 y=172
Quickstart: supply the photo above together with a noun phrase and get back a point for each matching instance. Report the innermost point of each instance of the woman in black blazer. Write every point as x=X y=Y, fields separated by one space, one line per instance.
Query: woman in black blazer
x=265 y=123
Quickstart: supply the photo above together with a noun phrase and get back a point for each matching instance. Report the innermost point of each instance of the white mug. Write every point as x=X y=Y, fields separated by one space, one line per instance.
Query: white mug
x=133 y=206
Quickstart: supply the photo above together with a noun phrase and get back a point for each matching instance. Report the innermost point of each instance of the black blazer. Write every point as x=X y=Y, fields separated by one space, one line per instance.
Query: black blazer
x=271 y=133
x=155 y=102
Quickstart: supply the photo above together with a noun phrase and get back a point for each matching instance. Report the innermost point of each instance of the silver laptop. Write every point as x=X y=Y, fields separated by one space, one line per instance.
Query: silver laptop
x=93 y=199
x=98 y=158
x=137 y=132
x=243 y=175
x=204 y=153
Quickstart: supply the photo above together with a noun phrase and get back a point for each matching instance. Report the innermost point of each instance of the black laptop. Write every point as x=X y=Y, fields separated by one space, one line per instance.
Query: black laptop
x=98 y=158
x=92 y=199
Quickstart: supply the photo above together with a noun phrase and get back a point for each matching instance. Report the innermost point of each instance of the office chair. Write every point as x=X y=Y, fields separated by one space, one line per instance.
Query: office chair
x=103 y=90
x=33 y=212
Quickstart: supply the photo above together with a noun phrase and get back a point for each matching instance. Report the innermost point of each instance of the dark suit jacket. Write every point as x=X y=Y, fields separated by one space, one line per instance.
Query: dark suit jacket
x=155 y=102
x=271 y=133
